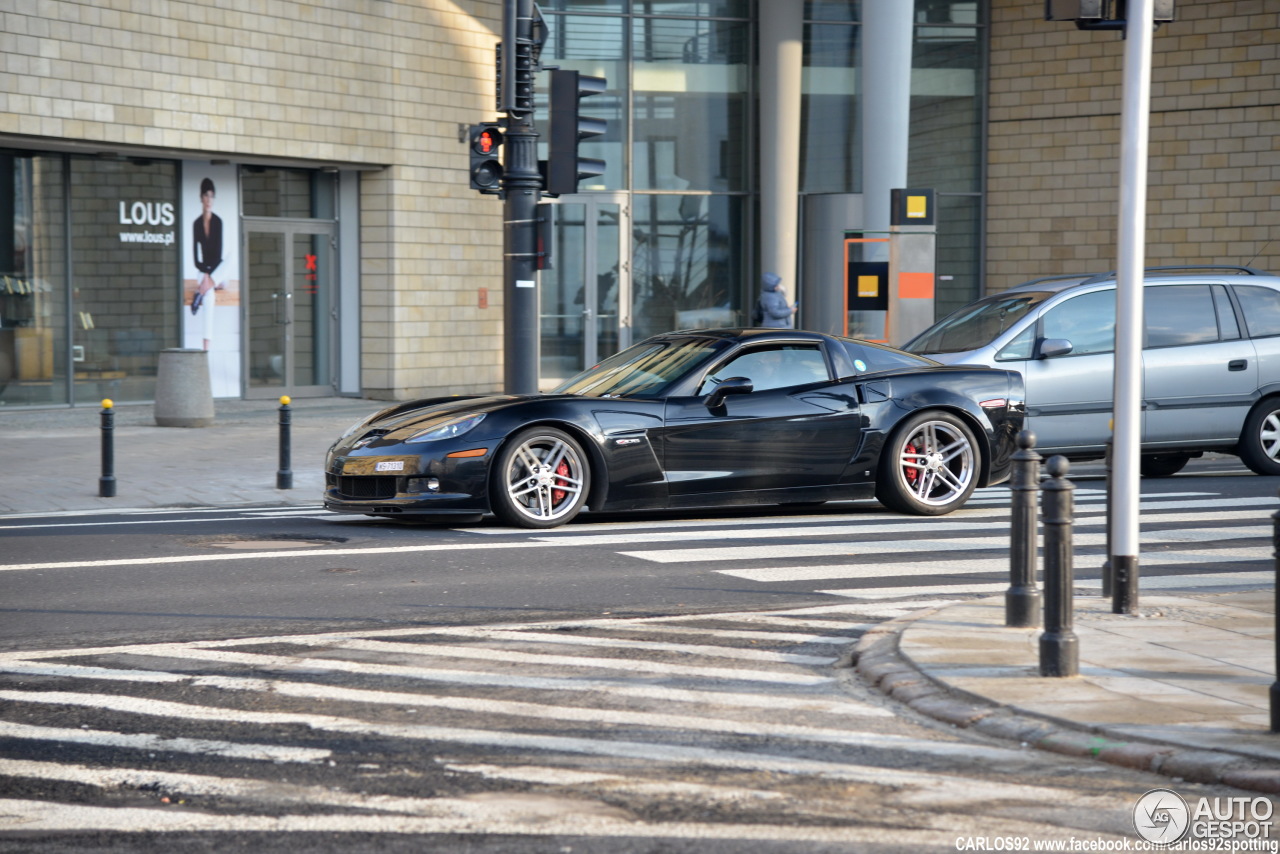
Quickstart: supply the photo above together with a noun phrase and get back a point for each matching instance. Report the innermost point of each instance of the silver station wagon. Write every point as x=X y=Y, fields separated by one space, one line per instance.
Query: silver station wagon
x=1210 y=361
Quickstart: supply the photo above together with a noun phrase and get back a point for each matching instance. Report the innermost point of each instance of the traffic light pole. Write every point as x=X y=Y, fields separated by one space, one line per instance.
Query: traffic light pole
x=521 y=183
x=521 y=190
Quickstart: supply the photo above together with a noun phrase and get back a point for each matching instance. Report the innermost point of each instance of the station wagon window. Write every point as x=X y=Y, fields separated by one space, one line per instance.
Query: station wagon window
x=772 y=367
x=1019 y=349
x=1261 y=310
x=1087 y=321
x=1178 y=315
x=1228 y=326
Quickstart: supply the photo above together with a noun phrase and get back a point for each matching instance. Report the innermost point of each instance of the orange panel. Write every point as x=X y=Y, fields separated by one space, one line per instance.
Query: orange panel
x=915 y=285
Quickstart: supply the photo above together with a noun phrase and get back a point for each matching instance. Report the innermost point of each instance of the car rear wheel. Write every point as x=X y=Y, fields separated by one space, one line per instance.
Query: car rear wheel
x=1162 y=465
x=1260 y=441
x=539 y=479
x=929 y=466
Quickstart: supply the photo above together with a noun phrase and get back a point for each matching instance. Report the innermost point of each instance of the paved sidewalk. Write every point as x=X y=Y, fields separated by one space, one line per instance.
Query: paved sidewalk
x=233 y=462
x=1181 y=689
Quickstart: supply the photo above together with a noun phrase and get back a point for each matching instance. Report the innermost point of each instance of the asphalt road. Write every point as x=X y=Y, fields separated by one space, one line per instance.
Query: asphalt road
x=663 y=682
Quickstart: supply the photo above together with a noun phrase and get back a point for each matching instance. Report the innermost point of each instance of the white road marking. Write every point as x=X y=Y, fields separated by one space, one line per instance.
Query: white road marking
x=147 y=741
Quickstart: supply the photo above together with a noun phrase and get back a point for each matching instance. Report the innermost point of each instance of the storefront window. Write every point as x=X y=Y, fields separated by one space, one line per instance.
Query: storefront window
x=124 y=262
x=33 y=290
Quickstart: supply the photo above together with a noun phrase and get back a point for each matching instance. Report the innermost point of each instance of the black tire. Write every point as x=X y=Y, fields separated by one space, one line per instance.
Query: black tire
x=539 y=479
x=1260 y=440
x=1162 y=465
x=929 y=466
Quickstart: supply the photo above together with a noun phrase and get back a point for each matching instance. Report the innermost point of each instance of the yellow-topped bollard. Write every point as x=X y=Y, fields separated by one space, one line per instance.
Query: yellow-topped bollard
x=107 y=425
x=284 y=475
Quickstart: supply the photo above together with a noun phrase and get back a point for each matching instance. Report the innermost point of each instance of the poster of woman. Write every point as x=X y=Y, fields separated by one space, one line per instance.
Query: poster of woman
x=211 y=277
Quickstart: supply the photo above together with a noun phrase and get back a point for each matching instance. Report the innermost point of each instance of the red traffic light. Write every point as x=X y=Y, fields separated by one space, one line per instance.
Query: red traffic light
x=486 y=141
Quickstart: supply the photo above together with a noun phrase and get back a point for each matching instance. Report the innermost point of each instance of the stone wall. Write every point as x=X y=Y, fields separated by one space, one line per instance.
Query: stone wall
x=1053 y=163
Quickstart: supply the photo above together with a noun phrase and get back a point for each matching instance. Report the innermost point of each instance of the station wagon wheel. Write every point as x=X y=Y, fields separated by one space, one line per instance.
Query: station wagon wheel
x=1260 y=440
x=929 y=466
x=539 y=479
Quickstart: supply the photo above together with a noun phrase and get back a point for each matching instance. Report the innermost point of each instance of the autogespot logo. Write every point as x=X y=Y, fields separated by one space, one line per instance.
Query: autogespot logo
x=1161 y=815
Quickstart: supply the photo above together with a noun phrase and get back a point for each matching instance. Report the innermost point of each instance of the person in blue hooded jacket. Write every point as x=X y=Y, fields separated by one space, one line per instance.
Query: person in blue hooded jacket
x=773 y=309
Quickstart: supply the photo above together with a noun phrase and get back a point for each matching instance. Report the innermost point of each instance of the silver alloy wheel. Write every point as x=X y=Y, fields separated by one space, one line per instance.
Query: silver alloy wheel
x=544 y=478
x=1269 y=435
x=936 y=462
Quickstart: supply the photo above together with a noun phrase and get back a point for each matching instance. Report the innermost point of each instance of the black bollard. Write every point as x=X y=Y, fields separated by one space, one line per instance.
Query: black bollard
x=1059 y=649
x=1275 y=686
x=284 y=477
x=107 y=483
x=1022 y=599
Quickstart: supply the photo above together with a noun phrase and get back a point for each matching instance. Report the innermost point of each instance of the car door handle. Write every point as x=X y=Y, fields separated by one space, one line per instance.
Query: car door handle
x=1237 y=364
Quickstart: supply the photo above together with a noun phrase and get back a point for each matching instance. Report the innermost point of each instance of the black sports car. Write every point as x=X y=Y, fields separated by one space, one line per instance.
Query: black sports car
x=711 y=417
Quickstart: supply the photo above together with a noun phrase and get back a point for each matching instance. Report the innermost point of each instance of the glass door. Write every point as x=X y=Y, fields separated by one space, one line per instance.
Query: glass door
x=289 y=347
x=586 y=291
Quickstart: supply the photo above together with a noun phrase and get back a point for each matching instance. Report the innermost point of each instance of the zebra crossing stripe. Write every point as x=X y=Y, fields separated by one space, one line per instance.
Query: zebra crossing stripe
x=147 y=741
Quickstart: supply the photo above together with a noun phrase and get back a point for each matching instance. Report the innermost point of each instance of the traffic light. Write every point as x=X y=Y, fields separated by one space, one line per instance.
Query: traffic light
x=486 y=167
x=564 y=167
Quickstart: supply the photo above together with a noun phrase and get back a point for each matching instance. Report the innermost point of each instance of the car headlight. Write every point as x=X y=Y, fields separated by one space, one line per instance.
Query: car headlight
x=447 y=430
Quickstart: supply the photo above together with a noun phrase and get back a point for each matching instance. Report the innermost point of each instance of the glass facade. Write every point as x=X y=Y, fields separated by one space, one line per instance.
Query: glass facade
x=680 y=147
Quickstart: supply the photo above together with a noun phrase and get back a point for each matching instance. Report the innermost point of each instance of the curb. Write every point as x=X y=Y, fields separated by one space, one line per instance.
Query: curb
x=879 y=660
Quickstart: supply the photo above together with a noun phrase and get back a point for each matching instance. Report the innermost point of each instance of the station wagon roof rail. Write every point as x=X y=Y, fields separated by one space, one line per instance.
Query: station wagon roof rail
x=1190 y=268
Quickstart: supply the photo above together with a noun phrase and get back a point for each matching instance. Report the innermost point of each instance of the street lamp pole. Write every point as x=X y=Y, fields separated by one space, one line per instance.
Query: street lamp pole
x=1131 y=244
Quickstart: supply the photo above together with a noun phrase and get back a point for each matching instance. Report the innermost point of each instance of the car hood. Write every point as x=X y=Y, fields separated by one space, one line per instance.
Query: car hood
x=400 y=422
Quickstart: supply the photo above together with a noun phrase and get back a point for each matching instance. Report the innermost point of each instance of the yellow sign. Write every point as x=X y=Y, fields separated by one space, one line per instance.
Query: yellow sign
x=917 y=207
x=868 y=286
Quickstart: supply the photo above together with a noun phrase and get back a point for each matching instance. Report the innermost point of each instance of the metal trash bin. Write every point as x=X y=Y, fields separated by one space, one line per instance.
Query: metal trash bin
x=184 y=394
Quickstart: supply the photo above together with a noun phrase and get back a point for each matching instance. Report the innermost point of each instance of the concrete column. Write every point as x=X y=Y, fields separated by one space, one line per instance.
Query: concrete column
x=886 y=104
x=781 y=40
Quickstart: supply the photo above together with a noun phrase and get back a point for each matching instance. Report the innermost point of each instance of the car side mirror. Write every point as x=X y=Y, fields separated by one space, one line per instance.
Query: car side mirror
x=732 y=385
x=1051 y=347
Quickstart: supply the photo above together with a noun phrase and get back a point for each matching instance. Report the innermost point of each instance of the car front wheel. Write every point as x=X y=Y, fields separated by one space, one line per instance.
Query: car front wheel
x=1260 y=441
x=539 y=479
x=929 y=466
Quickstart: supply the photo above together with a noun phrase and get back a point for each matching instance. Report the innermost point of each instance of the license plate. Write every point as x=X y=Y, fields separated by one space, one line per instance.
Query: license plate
x=393 y=465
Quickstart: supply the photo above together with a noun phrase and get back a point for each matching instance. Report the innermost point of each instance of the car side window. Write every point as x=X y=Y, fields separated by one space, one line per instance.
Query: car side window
x=1261 y=310
x=1228 y=326
x=772 y=367
x=1087 y=321
x=1020 y=348
x=1177 y=315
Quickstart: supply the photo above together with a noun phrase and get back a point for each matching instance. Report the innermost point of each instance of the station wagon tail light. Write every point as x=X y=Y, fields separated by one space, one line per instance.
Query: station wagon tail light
x=995 y=403
x=448 y=429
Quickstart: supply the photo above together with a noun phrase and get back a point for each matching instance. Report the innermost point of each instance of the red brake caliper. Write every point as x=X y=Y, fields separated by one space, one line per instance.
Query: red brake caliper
x=913 y=474
x=557 y=495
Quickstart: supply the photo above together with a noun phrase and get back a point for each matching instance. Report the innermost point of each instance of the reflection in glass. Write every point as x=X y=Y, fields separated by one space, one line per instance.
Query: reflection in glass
x=268 y=313
x=829 y=110
x=33 y=289
x=690 y=104
x=125 y=263
x=703 y=9
x=686 y=263
x=593 y=46
x=301 y=193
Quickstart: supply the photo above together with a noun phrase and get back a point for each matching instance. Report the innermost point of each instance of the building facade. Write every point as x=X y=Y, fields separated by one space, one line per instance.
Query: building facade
x=285 y=184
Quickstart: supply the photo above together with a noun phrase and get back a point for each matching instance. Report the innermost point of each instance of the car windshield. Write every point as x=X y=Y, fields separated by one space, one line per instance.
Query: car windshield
x=976 y=325
x=644 y=370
